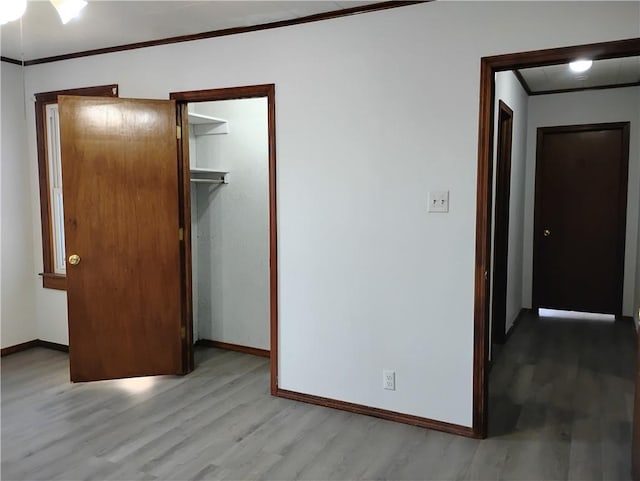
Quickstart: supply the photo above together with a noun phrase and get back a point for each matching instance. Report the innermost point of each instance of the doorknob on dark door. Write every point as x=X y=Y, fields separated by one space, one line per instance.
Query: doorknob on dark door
x=74 y=259
x=546 y=232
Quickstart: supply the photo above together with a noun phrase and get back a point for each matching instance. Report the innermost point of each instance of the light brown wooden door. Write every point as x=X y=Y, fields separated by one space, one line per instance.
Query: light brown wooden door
x=121 y=202
x=580 y=217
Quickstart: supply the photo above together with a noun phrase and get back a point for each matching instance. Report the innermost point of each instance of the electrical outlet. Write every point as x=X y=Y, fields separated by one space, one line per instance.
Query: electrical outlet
x=389 y=380
x=439 y=201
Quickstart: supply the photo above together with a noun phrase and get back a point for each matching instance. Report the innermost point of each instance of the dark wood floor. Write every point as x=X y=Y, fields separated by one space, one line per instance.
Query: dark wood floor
x=561 y=408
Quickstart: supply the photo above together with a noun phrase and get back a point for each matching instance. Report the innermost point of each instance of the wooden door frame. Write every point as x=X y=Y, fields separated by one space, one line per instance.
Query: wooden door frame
x=501 y=229
x=488 y=68
x=231 y=93
x=624 y=127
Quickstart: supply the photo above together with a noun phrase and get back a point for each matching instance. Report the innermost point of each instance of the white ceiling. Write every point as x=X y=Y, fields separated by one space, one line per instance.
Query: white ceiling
x=110 y=23
x=614 y=71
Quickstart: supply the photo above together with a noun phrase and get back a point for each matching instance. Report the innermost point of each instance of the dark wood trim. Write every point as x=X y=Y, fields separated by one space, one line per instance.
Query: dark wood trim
x=110 y=90
x=45 y=204
x=501 y=224
x=226 y=93
x=273 y=240
x=11 y=60
x=483 y=250
x=53 y=345
x=231 y=31
x=581 y=89
x=31 y=344
x=254 y=91
x=53 y=281
x=585 y=127
x=50 y=279
x=555 y=56
x=488 y=67
x=233 y=347
x=5 y=351
x=378 y=413
x=522 y=81
x=184 y=200
x=624 y=127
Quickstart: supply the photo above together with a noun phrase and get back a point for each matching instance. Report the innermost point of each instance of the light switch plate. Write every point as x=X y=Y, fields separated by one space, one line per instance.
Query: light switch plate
x=439 y=201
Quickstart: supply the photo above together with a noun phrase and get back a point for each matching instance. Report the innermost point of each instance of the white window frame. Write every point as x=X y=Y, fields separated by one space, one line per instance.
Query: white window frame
x=54 y=167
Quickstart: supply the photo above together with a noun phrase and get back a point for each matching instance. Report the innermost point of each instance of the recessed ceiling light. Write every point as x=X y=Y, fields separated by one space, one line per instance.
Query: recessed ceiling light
x=580 y=65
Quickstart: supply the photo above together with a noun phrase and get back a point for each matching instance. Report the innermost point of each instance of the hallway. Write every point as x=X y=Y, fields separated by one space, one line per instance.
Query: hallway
x=564 y=388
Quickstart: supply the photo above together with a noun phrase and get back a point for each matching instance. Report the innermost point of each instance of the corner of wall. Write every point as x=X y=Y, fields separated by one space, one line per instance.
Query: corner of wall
x=17 y=314
x=509 y=90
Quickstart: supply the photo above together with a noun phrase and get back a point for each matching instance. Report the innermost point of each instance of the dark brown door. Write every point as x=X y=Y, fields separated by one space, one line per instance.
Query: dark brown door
x=580 y=217
x=501 y=230
x=121 y=201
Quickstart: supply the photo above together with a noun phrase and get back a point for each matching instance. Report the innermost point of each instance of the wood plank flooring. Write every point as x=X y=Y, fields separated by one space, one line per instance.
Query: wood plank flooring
x=561 y=408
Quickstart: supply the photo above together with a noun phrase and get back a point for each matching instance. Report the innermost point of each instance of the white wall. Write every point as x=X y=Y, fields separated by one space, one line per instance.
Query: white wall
x=17 y=288
x=593 y=106
x=372 y=112
x=233 y=226
x=509 y=90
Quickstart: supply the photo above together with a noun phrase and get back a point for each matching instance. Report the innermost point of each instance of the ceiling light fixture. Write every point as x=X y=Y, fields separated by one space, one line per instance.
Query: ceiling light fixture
x=68 y=9
x=11 y=10
x=580 y=66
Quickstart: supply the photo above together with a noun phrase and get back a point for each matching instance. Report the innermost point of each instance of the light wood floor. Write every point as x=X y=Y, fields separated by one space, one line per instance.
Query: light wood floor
x=561 y=401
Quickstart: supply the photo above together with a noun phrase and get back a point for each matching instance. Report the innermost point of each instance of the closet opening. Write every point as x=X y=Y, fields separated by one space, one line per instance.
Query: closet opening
x=227 y=142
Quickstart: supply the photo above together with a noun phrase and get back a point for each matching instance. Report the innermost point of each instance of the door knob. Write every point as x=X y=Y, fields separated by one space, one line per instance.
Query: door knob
x=546 y=232
x=74 y=259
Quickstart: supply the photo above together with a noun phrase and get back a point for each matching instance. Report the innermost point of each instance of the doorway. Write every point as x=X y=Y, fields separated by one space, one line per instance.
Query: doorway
x=501 y=230
x=489 y=67
x=228 y=146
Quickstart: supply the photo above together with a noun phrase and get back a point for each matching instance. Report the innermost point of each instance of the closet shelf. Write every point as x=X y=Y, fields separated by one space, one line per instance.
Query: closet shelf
x=207 y=125
x=209 y=176
x=197 y=119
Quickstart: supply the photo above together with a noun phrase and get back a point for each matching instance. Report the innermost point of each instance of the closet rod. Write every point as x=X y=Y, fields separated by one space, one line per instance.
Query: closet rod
x=208 y=181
